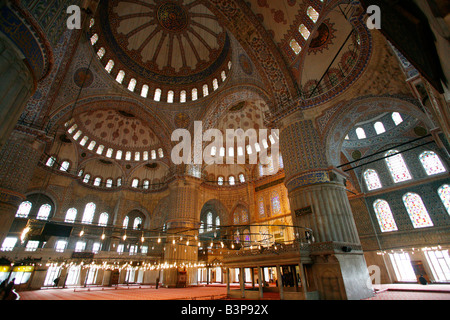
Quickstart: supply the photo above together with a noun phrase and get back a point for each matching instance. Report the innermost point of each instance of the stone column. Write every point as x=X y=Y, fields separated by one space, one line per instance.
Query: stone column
x=16 y=87
x=261 y=282
x=18 y=160
x=319 y=201
x=183 y=219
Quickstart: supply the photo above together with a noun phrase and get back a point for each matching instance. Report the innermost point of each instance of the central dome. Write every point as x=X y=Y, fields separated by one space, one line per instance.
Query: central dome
x=172 y=43
x=172 y=17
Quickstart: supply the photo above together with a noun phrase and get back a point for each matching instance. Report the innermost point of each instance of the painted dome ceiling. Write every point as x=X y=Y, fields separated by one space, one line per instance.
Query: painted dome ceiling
x=166 y=42
x=116 y=129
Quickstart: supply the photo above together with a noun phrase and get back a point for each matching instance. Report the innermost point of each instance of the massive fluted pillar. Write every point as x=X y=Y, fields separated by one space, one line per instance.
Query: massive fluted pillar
x=182 y=225
x=318 y=201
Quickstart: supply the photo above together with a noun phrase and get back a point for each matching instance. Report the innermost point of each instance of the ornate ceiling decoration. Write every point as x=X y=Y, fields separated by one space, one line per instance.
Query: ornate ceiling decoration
x=167 y=42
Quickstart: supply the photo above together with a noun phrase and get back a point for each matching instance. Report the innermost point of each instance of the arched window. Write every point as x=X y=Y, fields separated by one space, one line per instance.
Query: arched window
x=120 y=76
x=217 y=221
x=244 y=215
x=77 y=135
x=125 y=222
x=144 y=91
x=157 y=96
x=44 y=212
x=276 y=204
x=103 y=220
x=109 y=152
x=304 y=31
x=128 y=155
x=431 y=163
x=109 y=66
x=88 y=214
x=372 y=180
x=51 y=161
x=360 y=133
x=160 y=153
x=397 y=118
x=444 y=194
x=24 y=209
x=215 y=84
x=101 y=52
x=137 y=224
x=231 y=180
x=397 y=167
x=241 y=178
x=417 y=211
x=312 y=14
x=153 y=154
x=135 y=183
x=119 y=155
x=194 y=94
x=94 y=39
x=209 y=221
x=220 y=181
x=183 y=96
x=146 y=184
x=205 y=90
x=109 y=183
x=295 y=46
x=132 y=85
x=170 y=96
x=71 y=215
x=86 y=178
x=261 y=207
x=119 y=182
x=137 y=156
x=379 y=127
x=223 y=76
x=100 y=149
x=97 y=182
x=84 y=140
x=384 y=216
x=92 y=145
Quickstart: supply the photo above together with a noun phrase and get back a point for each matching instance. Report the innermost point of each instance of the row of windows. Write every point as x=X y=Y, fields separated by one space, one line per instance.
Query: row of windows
x=430 y=161
x=378 y=126
x=110 y=152
x=158 y=92
x=303 y=30
x=71 y=215
x=240 y=150
x=415 y=207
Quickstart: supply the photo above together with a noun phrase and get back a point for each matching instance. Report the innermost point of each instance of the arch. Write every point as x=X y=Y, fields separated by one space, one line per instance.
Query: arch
x=218 y=208
x=417 y=211
x=431 y=163
x=346 y=116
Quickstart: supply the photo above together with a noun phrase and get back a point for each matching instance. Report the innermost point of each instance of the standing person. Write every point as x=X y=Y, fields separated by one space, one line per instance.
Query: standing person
x=8 y=289
x=56 y=281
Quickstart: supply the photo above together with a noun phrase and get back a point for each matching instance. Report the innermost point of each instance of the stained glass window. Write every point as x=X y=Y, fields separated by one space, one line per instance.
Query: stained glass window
x=109 y=66
x=261 y=207
x=236 y=217
x=71 y=215
x=444 y=193
x=372 y=180
x=170 y=96
x=384 y=216
x=276 y=204
x=88 y=213
x=244 y=216
x=103 y=220
x=100 y=149
x=144 y=91
x=183 y=96
x=94 y=39
x=431 y=163
x=220 y=181
x=231 y=180
x=217 y=221
x=397 y=167
x=416 y=209
x=157 y=96
x=101 y=52
x=132 y=85
x=44 y=211
x=24 y=209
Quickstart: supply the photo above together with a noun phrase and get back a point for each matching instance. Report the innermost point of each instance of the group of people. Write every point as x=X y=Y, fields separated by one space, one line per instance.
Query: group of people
x=6 y=289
